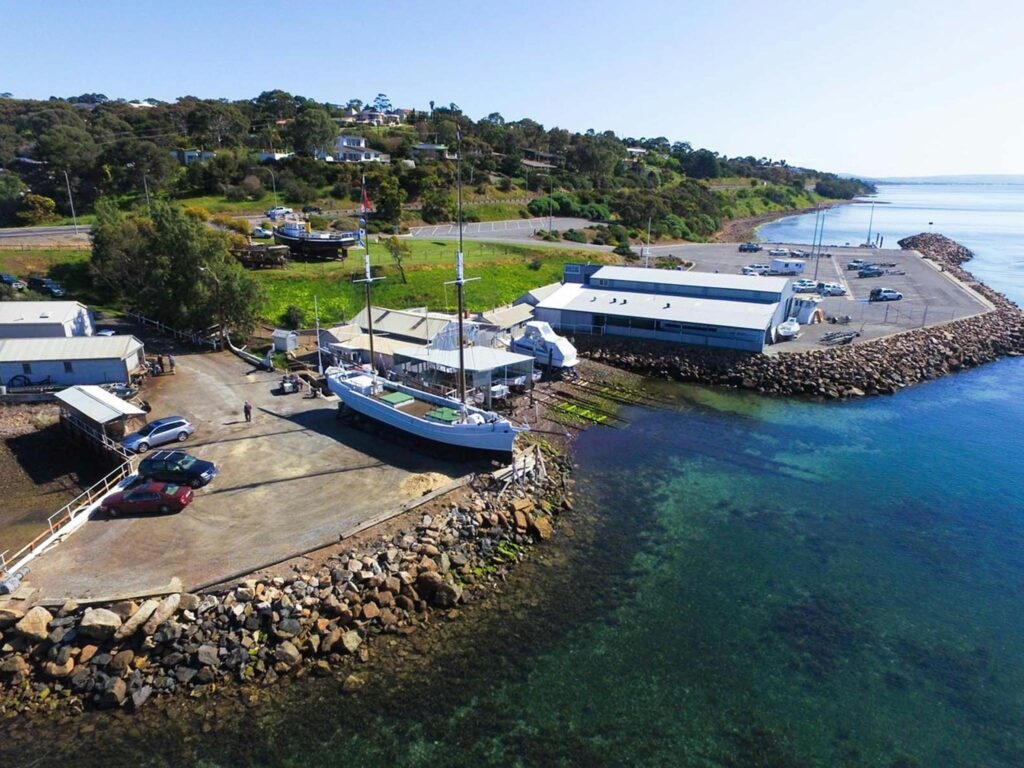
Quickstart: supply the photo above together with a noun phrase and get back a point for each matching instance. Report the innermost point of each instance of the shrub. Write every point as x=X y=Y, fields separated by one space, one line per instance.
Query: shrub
x=470 y=215
x=575 y=236
x=505 y=185
x=241 y=226
x=195 y=212
x=294 y=317
x=536 y=263
x=623 y=249
x=234 y=194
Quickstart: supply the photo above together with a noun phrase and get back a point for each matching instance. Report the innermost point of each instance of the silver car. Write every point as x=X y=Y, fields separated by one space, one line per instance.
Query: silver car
x=159 y=432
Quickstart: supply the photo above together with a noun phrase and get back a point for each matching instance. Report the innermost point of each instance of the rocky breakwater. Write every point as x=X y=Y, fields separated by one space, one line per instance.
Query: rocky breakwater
x=878 y=366
x=319 y=619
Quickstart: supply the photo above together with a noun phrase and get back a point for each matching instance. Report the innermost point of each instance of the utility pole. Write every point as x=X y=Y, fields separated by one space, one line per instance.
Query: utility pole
x=145 y=185
x=319 y=356
x=551 y=191
x=273 y=181
x=71 y=202
x=220 y=306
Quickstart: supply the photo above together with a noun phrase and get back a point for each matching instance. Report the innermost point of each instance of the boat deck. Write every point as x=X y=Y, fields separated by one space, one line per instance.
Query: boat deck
x=412 y=406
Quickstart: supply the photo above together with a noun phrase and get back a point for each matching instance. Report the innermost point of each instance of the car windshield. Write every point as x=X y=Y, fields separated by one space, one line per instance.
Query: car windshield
x=185 y=462
x=147 y=430
x=170 y=489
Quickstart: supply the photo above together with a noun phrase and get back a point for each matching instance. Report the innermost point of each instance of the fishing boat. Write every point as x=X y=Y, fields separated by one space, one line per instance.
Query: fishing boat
x=787 y=330
x=302 y=241
x=437 y=418
x=546 y=346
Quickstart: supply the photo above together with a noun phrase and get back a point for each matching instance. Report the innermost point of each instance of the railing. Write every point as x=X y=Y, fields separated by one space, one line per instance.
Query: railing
x=111 y=445
x=191 y=337
x=62 y=518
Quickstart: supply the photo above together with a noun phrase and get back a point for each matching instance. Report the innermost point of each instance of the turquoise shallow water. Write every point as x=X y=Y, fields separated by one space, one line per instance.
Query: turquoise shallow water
x=772 y=583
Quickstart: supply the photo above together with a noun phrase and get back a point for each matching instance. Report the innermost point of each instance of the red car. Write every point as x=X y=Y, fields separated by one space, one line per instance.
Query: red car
x=148 y=497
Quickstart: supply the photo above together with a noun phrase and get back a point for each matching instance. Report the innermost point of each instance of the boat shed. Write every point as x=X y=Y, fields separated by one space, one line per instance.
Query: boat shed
x=506 y=320
x=700 y=308
x=348 y=342
x=492 y=372
x=70 y=361
x=98 y=410
x=535 y=296
x=416 y=325
x=44 y=319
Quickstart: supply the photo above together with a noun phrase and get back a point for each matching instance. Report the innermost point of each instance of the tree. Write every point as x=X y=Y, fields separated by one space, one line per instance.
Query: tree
x=36 y=209
x=11 y=190
x=173 y=265
x=9 y=141
x=388 y=205
x=313 y=130
x=398 y=249
x=702 y=164
x=438 y=205
x=382 y=103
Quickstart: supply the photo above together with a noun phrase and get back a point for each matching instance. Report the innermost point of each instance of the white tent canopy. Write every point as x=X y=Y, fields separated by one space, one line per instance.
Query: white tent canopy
x=96 y=404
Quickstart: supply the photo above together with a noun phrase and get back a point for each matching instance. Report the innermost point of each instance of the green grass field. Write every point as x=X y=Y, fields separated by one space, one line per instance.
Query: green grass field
x=506 y=271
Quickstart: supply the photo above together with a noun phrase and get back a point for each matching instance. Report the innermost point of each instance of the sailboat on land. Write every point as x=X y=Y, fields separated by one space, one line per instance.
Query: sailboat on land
x=437 y=418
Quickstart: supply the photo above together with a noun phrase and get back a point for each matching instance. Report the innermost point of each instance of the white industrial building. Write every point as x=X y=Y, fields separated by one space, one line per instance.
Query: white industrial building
x=701 y=308
x=41 y=319
x=69 y=361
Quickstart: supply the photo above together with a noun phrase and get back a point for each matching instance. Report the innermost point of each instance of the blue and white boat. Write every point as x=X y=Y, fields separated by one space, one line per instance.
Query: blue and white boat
x=545 y=346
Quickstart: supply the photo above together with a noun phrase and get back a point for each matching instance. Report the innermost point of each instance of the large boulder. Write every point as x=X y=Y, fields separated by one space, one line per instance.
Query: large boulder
x=136 y=620
x=165 y=610
x=34 y=624
x=9 y=616
x=99 y=623
x=113 y=695
x=286 y=652
x=351 y=641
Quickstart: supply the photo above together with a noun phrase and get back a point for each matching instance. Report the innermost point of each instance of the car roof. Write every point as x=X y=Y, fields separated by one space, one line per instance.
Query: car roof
x=164 y=455
x=168 y=419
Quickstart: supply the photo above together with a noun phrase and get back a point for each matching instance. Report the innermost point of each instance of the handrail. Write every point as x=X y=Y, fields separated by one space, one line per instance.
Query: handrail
x=111 y=445
x=193 y=337
x=75 y=505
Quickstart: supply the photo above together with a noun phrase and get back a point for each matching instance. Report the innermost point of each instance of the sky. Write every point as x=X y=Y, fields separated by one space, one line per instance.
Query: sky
x=896 y=88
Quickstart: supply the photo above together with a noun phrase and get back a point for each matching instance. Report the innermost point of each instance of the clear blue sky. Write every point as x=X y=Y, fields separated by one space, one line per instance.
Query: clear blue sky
x=904 y=87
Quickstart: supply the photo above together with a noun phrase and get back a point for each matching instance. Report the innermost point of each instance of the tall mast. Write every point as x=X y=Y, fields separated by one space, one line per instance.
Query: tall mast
x=459 y=276
x=368 y=278
x=871 y=221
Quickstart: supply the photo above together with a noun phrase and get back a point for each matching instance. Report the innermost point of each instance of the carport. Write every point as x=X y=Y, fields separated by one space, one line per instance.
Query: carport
x=96 y=410
x=492 y=371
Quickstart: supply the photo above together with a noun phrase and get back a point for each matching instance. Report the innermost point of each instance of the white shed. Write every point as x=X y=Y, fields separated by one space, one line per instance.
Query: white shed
x=70 y=361
x=42 y=319
x=285 y=340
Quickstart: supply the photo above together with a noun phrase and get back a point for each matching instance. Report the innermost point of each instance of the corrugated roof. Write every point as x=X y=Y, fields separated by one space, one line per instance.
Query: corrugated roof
x=403 y=322
x=539 y=293
x=96 y=404
x=701 y=279
x=575 y=297
x=383 y=345
x=477 y=359
x=68 y=348
x=38 y=312
x=509 y=316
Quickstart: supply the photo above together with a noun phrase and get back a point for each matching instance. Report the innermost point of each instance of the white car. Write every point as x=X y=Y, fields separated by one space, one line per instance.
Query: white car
x=278 y=212
x=804 y=285
x=831 y=289
x=778 y=252
x=262 y=234
x=755 y=269
x=107 y=332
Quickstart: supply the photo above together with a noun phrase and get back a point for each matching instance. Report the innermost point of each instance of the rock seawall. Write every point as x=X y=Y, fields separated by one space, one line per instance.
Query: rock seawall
x=259 y=630
x=879 y=366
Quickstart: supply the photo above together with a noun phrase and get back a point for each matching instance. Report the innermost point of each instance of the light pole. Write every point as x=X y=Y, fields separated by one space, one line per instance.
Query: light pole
x=551 y=191
x=220 y=306
x=71 y=201
x=273 y=181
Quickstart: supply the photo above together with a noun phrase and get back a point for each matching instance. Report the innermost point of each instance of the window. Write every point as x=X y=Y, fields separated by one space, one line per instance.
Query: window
x=26 y=367
x=68 y=368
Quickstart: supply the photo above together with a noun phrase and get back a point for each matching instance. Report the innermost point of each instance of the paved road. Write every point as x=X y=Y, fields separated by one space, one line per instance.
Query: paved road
x=18 y=232
x=292 y=479
x=514 y=229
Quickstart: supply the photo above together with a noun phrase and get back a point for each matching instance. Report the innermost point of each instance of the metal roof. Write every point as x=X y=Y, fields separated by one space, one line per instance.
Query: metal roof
x=39 y=312
x=509 y=316
x=539 y=293
x=574 y=297
x=415 y=324
x=96 y=404
x=477 y=359
x=701 y=279
x=68 y=348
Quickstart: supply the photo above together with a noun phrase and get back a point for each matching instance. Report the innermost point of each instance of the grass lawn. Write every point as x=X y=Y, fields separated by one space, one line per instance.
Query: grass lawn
x=505 y=272
x=69 y=267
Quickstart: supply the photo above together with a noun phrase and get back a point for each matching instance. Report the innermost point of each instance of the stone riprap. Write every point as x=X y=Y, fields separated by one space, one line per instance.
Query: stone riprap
x=878 y=366
x=255 y=632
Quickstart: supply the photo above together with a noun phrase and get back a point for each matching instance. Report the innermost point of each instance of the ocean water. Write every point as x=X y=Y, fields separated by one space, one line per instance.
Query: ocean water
x=760 y=582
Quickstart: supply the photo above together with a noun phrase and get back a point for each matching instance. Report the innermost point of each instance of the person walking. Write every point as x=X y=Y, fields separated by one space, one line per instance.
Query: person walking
x=247 y=410
x=170 y=362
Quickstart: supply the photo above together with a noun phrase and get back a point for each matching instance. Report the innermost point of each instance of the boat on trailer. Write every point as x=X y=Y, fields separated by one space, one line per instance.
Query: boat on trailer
x=545 y=346
x=302 y=241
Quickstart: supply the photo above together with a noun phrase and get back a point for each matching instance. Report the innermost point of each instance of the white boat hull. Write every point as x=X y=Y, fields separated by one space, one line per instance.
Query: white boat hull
x=497 y=436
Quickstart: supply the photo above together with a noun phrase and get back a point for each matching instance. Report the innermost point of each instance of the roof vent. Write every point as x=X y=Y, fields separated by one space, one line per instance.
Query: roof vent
x=593 y=298
x=44 y=314
x=667 y=305
x=614 y=299
x=623 y=301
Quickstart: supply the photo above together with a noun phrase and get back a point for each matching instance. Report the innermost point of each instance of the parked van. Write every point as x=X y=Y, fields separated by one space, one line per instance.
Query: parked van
x=787 y=267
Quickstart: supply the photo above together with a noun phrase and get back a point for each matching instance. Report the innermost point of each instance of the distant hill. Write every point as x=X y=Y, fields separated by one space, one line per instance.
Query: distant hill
x=981 y=178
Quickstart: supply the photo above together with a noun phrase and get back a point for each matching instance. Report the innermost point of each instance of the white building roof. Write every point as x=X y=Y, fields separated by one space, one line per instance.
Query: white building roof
x=414 y=324
x=68 y=348
x=700 y=279
x=508 y=317
x=96 y=404
x=574 y=297
x=477 y=359
x=539 y=293
x=39 y=312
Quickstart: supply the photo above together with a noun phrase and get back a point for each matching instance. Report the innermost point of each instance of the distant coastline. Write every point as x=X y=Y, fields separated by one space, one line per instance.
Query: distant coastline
x=742 y=230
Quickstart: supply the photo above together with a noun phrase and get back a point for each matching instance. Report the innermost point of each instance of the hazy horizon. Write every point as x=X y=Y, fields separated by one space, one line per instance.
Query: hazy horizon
x=872 y=89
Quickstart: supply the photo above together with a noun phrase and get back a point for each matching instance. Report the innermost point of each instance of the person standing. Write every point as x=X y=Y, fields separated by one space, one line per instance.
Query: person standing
x=170 y=361
x=247 y=410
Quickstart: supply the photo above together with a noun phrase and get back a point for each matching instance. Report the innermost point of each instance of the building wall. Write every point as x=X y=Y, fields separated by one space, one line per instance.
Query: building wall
x=80 y=325
x=82 y=371
x=712 y=336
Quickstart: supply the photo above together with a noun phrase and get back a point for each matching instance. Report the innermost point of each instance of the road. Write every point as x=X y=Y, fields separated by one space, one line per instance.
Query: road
x=20 y=232
x=514 y=229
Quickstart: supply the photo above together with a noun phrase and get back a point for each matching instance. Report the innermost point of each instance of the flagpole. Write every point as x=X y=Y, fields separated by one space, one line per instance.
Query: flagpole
x=368 y=277
x=459 y=276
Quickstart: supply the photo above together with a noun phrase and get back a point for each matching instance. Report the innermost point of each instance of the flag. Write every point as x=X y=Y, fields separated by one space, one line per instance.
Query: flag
x=367 y=207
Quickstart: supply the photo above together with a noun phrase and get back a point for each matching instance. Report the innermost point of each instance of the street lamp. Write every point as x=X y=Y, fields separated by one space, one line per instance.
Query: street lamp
x=220 y=306
x=273 y=181
x=71 y=202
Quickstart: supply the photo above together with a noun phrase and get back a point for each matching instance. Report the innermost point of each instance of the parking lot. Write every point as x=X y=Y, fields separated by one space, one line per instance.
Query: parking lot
x=929 y=295
x=292 y=479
